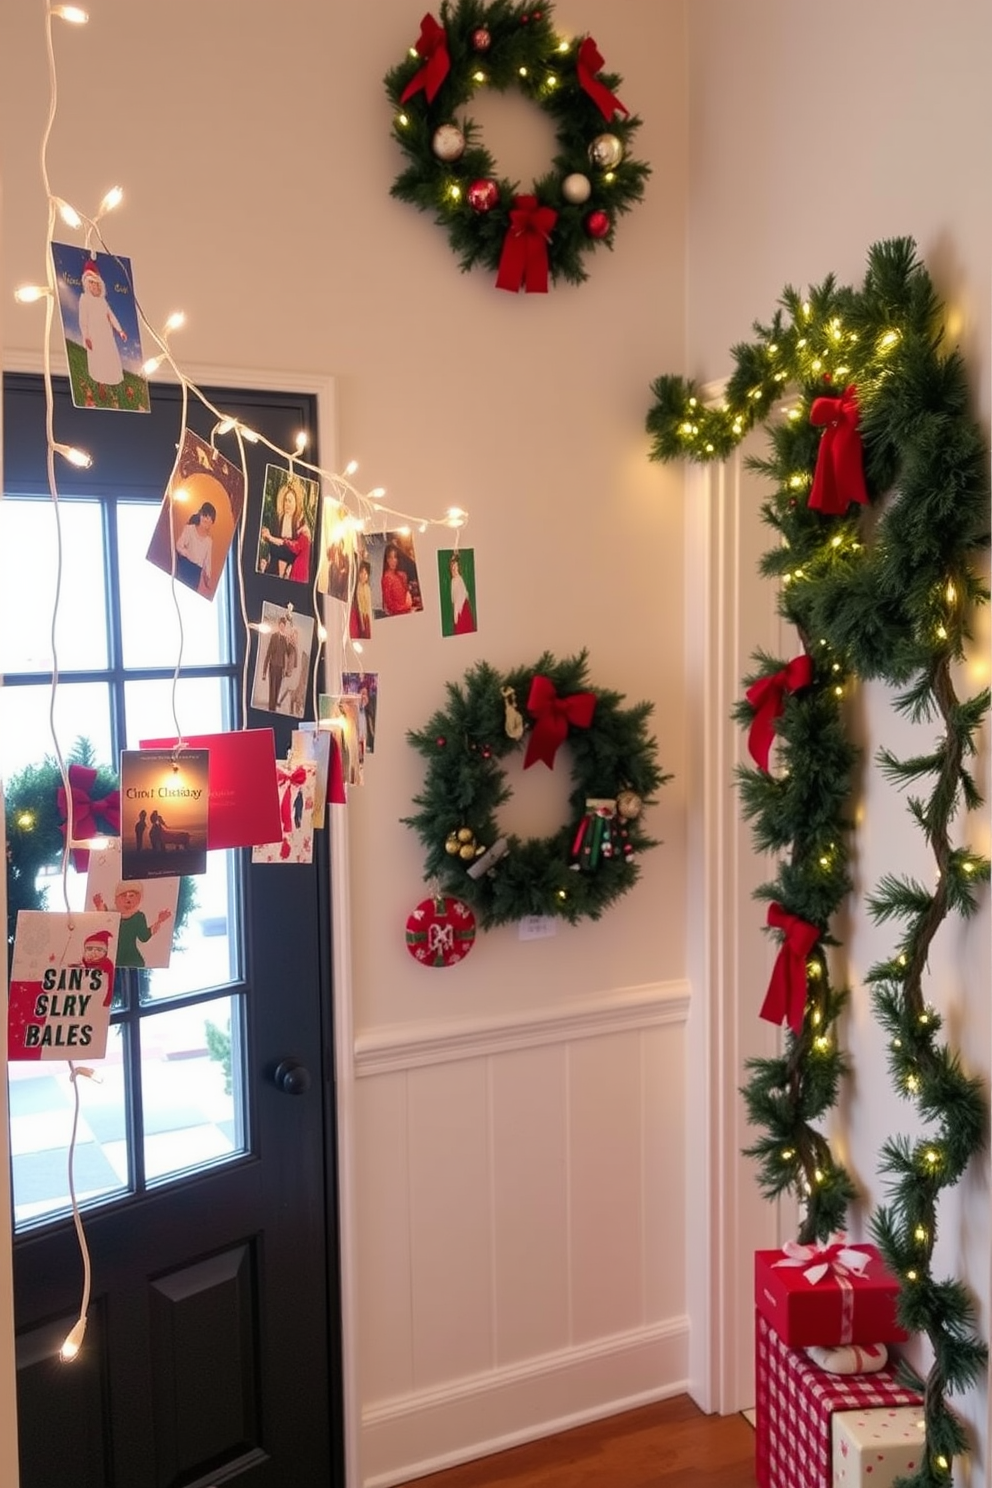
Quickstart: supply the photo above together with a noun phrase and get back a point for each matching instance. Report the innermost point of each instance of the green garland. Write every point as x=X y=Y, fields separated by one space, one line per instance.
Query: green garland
x=885 y=591
x=503 y=46
x=35 y=837
x=464 y=745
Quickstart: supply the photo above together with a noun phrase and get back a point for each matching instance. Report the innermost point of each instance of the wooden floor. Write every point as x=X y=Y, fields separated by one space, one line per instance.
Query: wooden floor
x=671 y=1445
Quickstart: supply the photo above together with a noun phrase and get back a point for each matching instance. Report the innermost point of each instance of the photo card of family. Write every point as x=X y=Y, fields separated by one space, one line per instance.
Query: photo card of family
x=199 y=516
x=101 y=329
x=282 y=661
x=286 y=525
x=164 y=811
x=61 y=985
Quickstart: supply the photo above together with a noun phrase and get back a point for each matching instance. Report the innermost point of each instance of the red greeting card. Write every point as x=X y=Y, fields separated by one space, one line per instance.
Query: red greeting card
x=243 y=807
x=61 y=985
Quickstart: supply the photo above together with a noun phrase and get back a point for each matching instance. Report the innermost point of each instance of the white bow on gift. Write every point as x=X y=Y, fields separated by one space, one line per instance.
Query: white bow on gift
x=818 y=1261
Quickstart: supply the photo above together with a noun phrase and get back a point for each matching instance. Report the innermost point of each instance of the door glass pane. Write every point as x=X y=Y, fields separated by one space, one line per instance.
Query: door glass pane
x=192 y=1088
x=27 y=586
x=203 y=705
x=82 y=710
x=206 y=950
x=149 y=625
x=41 y=1110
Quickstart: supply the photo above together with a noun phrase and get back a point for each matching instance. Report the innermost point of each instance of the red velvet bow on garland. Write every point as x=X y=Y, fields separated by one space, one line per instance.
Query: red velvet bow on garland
x=786 y=995
x=588 y=64
x=552 y=716
x=523 y=263
x=767 y=697
x=432 y=44
x=85 y=812
x=839 y=477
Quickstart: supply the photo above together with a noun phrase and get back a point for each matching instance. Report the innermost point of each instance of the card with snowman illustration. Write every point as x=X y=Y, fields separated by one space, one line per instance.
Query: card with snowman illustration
x=61 y=985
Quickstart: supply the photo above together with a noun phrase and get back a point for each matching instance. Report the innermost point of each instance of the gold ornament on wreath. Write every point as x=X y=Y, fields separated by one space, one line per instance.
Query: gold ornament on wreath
x=529 y=237
x=551 y=712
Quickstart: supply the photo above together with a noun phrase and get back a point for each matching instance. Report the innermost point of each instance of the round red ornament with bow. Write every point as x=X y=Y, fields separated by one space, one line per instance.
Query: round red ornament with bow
x=440 y=931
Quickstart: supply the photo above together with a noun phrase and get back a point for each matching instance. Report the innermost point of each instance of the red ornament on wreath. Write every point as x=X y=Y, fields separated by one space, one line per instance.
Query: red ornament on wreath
x=482 y=195
x=440 y=931
x=598 y=224
x=481 y=39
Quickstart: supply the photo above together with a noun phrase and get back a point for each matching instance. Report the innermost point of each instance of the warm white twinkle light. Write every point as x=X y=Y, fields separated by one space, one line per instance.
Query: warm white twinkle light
x=113 y=199
x=73 y=1342
x=71 y=13
x=351 y=467
x=75 y=456
x=301 y=441
x=69 y=215
x=27 y=294
x=152 y=365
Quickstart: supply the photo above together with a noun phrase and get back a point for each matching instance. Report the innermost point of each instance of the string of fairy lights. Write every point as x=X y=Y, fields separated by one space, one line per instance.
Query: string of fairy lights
x=357 y=511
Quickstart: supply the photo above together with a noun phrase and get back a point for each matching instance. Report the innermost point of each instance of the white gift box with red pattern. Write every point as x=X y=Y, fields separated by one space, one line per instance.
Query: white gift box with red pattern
x=871 y=1448
x=795 y=1403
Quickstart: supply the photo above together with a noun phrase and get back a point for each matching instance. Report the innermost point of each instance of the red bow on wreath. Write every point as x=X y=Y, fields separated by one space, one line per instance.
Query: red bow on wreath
x=432 y=44
x=767 y=698
x=786 y=995
x=839 y=477
x=552 y=716
x=588 y=64
x=523 y=263
x=85 y=811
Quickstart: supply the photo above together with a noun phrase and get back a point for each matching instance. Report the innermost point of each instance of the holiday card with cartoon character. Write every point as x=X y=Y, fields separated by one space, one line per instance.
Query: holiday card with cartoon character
x=199 y=516
x=61 y=985
x=101 y=329
x=147 y=907
x=296 y=780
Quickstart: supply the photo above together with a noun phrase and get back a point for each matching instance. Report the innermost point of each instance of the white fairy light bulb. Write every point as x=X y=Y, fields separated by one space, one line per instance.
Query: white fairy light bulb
x=113 y=199
x=351 y=467
x=152 y=365
x=27 y=294
x=175 y=320
x=73 y=1342
x=301 y=441
x=71 y=13
x=69 y=214
x=75 y=456
x=377 y=493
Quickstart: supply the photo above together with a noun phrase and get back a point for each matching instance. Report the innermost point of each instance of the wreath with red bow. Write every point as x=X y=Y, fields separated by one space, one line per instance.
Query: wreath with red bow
x=580 y=869
x=529 y=236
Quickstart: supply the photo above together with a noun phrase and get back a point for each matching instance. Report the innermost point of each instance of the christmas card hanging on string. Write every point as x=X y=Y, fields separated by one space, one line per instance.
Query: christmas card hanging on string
x=456 y=591
x=243 y=805
x=287 y=525
x=338 y=550
x=199 y=516
x=101 y=329
x=340 y=715
x=310 y=743
x=282 y=662
x=164 y=807
x=295 y=780
x=147 y=908
x=394 y=576
x=61 y=985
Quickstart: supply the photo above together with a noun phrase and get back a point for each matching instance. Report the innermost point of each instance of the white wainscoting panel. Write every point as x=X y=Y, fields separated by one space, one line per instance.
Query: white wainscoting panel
x=520 y=1226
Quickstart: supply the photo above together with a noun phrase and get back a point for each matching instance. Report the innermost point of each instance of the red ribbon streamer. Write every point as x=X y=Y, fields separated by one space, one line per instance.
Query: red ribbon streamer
x=85 y=811
x=552 y=716
x=588 y=64
x=767 y=697
x=523 y=263
x=786 y=995
x=432 y=44
x=839 y=477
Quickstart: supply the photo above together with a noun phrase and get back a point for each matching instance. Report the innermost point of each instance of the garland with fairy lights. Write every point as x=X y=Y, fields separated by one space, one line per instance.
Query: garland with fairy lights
x=545 y=232
x=36 y=834
x=877 y=524
x=576 y=872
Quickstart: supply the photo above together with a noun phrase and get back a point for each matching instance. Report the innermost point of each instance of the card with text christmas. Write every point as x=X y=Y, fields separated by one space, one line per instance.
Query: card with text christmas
x=147 y=907
x=287 y=524
x=296 y=793
x=244 y=805
x=199 y=516
x=365 y=687
x=61 y=985
x=282 y=662
x=164 y=812
x=456 y=591
x=101 y=329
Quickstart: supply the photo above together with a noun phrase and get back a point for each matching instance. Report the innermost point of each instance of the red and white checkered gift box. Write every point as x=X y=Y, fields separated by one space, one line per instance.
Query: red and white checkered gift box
x=795 y=1401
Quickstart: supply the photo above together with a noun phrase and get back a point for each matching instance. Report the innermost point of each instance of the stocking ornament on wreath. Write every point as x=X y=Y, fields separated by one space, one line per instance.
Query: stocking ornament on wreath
x=550 y=711
x=527 y=237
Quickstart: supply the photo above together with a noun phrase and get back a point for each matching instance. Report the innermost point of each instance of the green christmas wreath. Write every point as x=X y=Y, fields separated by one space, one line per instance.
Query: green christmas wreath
x=546 y=231
x=578 y=871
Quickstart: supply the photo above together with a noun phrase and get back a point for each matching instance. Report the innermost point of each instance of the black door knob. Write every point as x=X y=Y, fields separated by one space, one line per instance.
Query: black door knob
x=292 y=1077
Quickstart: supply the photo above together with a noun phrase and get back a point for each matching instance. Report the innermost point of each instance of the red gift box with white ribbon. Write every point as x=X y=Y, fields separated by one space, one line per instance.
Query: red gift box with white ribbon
x=831 y=1294
x=794 y=1406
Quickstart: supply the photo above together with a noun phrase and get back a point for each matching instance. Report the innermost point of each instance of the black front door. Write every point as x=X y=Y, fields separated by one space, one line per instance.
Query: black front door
x=204 y=1159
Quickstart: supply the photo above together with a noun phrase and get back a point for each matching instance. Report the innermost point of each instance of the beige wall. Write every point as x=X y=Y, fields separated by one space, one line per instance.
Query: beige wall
x=253 y=142
x=810 y=138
